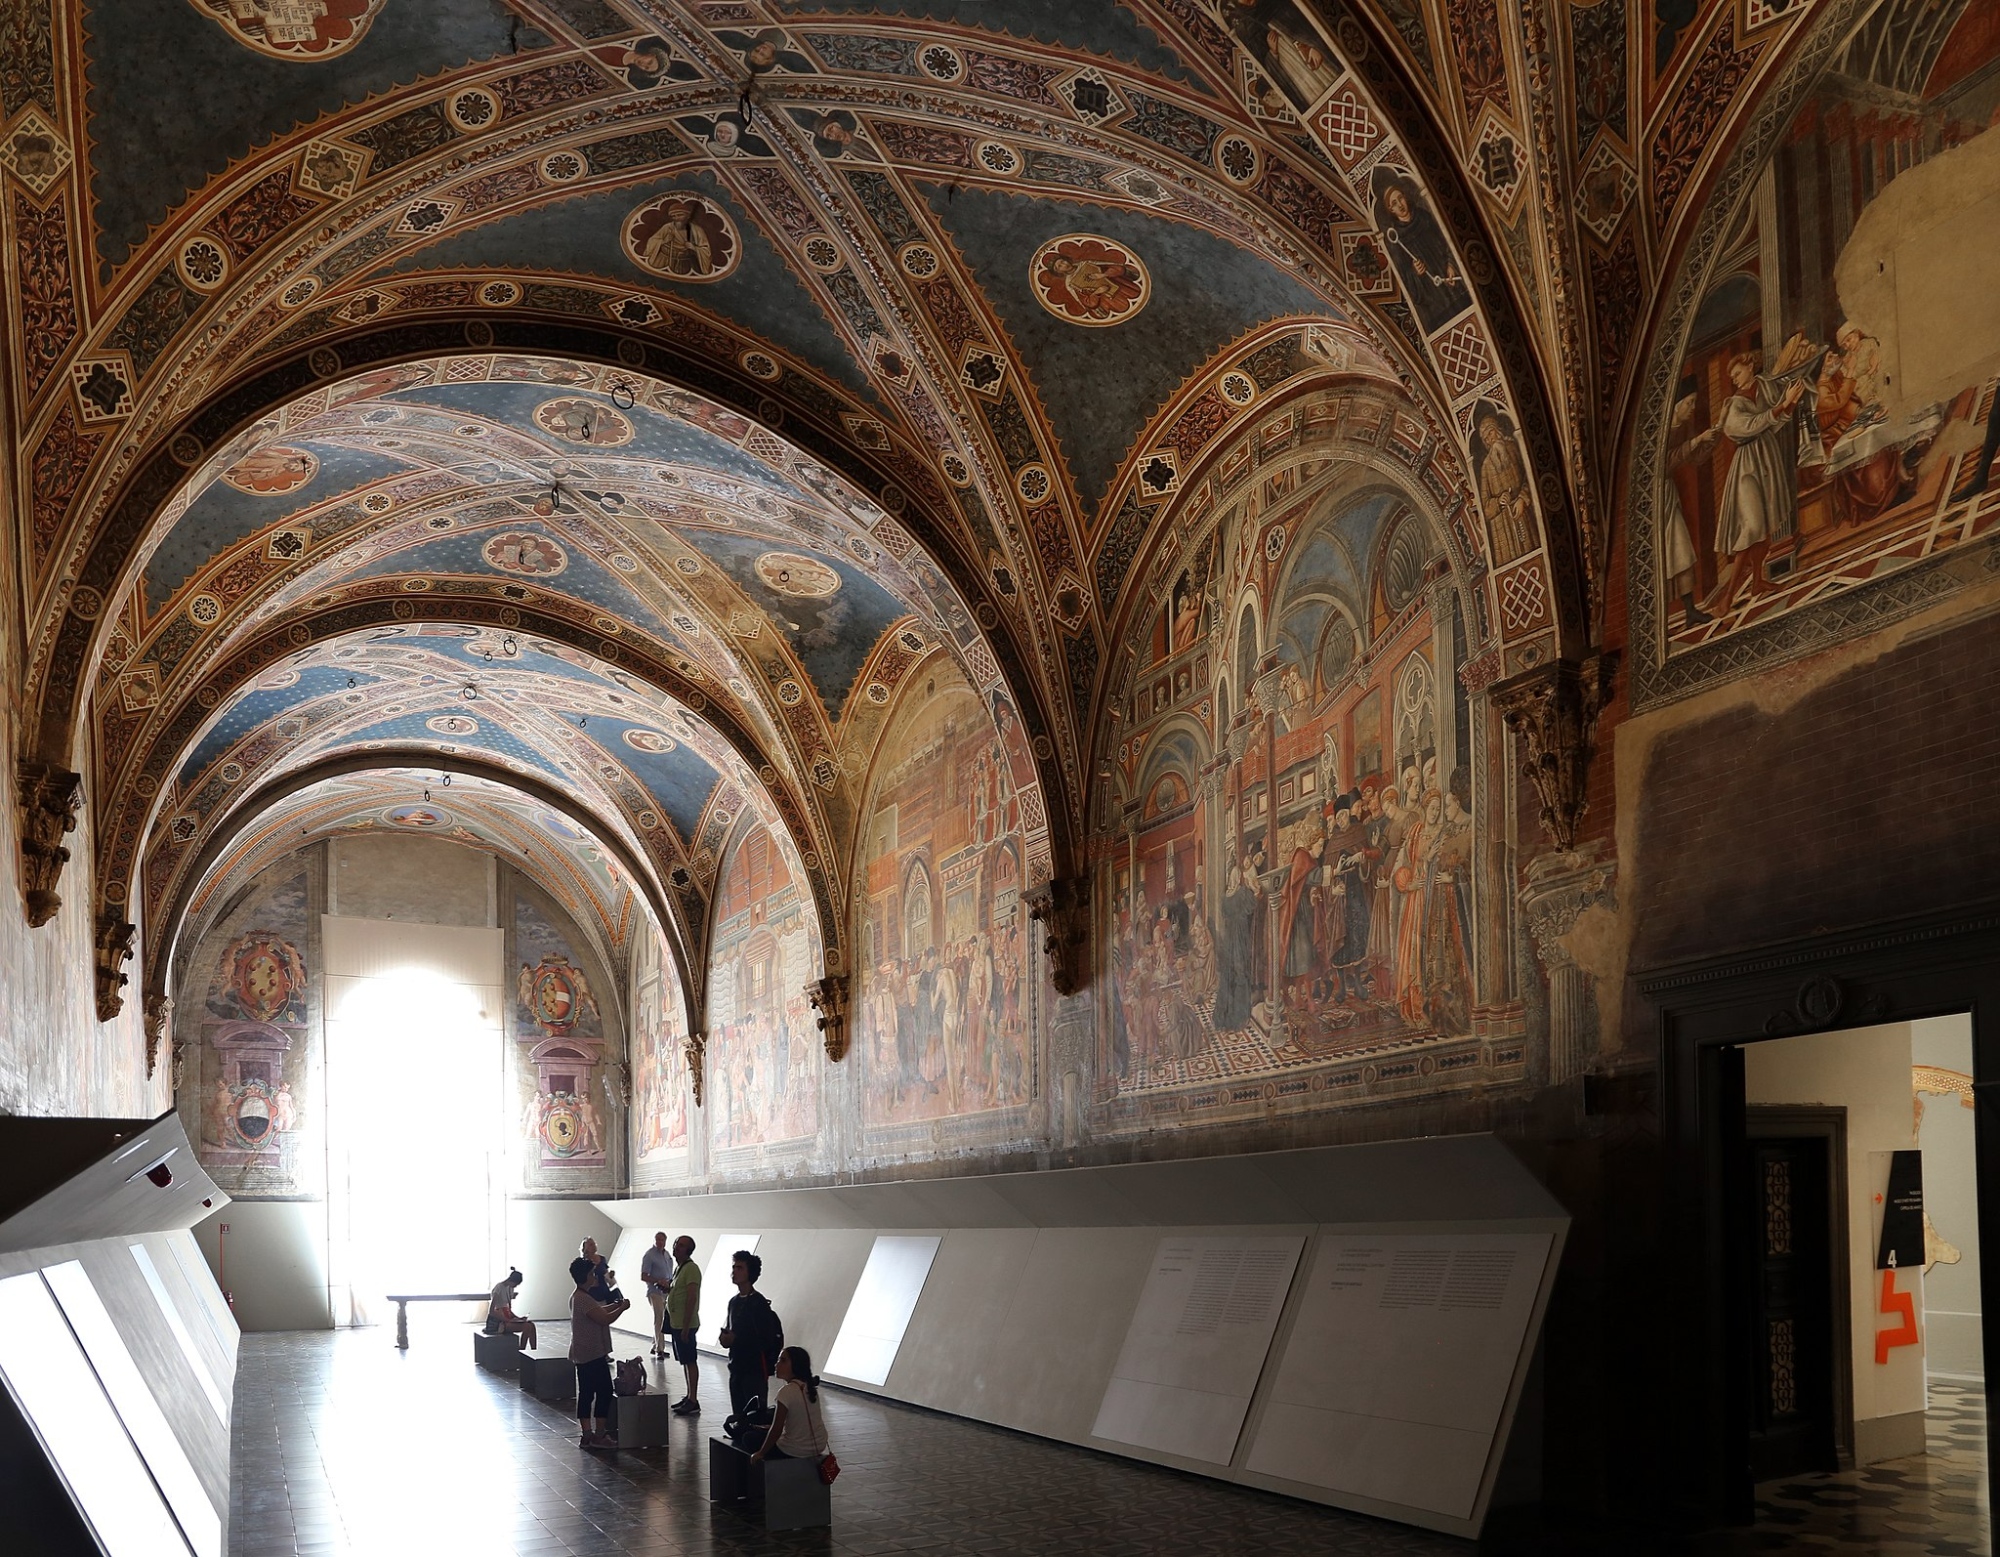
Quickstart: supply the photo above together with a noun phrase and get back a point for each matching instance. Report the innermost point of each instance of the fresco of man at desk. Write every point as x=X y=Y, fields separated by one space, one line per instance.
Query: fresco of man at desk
x=1834 y=417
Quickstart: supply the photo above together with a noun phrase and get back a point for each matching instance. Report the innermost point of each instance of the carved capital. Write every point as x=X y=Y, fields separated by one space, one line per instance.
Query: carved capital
x=1824 y=1002
x=829 y=999
x=1554 y=709
x=180 y=1067
x=159 y=1016
x=1560 y=887
x=696 y=1049
x=1062 y=908
x=114 y=945
x=48 y=797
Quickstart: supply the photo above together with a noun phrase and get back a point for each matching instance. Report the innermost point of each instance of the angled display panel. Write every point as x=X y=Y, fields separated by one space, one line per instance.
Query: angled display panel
x=178 y=1327
x=52 y=1382
x=879 y=1312
x=1196 y=1345
x=716 y=1290
x=136 y=1406
x=1396 y=1375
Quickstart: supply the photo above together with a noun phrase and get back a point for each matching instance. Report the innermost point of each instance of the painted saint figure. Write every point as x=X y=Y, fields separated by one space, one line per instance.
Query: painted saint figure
x=1422 y=255
x=1760 y=495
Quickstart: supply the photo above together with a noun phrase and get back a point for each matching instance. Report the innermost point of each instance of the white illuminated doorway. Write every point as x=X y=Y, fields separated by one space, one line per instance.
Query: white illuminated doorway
x=416 y=1067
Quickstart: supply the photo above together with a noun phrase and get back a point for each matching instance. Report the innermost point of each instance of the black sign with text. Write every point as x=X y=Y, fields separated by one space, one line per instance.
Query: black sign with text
x=1902 y=1243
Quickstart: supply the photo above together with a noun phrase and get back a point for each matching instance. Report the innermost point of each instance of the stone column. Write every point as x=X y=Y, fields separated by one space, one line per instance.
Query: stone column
x=1560 y=887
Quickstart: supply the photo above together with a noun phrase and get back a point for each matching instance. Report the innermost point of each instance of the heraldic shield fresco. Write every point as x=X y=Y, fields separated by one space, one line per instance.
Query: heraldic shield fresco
x=943 y=939
x=764 y=1056
x=1291 y=894
x=559 y=1029
x=1833 y=418
x=257 y=1067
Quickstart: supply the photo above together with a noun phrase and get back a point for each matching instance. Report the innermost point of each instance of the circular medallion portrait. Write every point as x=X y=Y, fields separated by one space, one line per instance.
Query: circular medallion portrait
x=451 y=724
x=649 y=741
x=272 y=470
x=584 y=421
x=683 y=237
x=803 y=578
x=1089 y=281
x=526 y=553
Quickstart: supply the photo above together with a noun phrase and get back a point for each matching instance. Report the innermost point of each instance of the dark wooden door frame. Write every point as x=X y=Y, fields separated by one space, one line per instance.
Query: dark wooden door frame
x=1799 y=1121
x=1896 y=971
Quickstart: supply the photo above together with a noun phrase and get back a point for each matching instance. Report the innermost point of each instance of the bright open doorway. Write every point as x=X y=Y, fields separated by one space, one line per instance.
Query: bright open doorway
x=417 y=1167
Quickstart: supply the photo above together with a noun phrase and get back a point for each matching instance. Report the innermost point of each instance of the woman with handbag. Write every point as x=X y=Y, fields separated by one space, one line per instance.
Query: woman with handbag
x=798 y=1430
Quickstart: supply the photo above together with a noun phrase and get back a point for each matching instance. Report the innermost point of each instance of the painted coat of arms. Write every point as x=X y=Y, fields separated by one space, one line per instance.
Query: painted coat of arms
x=302 y=30
x=555 y=993
x=264 y=979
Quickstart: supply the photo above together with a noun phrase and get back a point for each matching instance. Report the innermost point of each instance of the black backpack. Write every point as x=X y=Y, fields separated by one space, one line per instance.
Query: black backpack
x=759 y=1329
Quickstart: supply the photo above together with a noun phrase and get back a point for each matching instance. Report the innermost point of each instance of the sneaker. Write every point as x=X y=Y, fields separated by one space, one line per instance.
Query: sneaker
x=687 y=1407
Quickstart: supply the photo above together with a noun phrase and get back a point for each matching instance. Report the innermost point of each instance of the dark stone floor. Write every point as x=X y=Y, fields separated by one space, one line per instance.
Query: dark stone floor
x=343 y=1444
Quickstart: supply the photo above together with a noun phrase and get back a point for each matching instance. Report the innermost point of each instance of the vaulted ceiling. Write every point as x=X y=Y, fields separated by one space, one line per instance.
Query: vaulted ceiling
x=609 y=401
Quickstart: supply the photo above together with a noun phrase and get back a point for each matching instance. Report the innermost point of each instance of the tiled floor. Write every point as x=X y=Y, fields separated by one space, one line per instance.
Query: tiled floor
x=343 y=1444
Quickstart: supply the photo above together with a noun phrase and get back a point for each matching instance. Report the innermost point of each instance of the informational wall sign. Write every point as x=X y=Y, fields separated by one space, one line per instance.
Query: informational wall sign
x=1396 y=1372
x=1196 y=1345
x=1902 y=1242
x=880 y=1310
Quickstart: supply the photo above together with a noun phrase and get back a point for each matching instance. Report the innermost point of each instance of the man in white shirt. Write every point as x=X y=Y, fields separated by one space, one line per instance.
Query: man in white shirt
x=656 y=1270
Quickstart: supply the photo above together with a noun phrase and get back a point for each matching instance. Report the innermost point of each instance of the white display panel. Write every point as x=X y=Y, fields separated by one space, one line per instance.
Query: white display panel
x=136 y=1406
x=208 y=1298
x=1196 y=1345
x=879 y=1312
x=179 y=1330
x=52 y=1382
x=716 y=1287
x=1396 y=1372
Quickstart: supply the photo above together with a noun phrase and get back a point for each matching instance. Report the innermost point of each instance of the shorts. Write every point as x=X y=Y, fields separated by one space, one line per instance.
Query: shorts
x=684 y=1347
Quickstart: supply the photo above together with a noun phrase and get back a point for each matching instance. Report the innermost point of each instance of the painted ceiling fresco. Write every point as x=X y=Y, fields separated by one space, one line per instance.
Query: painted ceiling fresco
x=624 y=395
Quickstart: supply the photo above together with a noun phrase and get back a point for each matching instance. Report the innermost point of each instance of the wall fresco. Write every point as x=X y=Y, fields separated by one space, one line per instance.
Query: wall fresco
x=254 y=1087
x=764 y=1056
x=1834 y=418
x=1292 y=888
x=660 y=1101
x=559 y=1027
x=942 y=1005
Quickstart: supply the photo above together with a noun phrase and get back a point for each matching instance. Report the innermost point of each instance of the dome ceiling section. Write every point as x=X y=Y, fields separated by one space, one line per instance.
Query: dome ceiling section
x=562 y=857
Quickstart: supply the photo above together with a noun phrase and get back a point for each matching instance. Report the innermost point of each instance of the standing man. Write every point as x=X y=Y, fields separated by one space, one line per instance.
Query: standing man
x=752 y=1334
x=656 y=1271
x=684 y=1319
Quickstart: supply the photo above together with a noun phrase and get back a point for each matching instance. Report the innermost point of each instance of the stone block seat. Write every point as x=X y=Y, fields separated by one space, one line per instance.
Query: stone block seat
x=497 y=1353
x=780 y=1494
x=547 y=1377
x=641 y=1421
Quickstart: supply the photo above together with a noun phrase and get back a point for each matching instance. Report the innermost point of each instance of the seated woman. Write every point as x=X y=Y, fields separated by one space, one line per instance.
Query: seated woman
x=798 y=1431
x=500 y=1316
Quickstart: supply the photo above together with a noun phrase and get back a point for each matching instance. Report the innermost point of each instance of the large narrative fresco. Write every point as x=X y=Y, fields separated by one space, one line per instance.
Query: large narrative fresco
x=763 y=1054
x=659 y=1063
x=1293 y=885
x=1834 y=415
x=944 y=969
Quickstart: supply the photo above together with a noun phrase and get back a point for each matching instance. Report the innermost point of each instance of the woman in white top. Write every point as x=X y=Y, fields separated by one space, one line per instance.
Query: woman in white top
x=798 y=1430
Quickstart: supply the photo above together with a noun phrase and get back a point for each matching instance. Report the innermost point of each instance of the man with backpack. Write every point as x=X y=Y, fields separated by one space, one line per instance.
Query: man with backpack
x=754 y=1337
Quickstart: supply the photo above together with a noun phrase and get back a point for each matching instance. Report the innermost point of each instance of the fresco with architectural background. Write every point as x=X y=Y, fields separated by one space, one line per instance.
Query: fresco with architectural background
x=570 y=1118
x=658 y=1047
x=1834 y=416
x=764 y=1056
x=941 y=1010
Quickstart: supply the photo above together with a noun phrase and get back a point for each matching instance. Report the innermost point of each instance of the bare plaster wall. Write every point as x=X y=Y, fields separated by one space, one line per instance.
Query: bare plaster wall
x=416 y=878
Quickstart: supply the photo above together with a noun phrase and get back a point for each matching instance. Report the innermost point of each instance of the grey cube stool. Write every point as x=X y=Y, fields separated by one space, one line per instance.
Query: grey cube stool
x=497 y=1353
x=548 y=1378
x=780 y=1494
x=640 y=1421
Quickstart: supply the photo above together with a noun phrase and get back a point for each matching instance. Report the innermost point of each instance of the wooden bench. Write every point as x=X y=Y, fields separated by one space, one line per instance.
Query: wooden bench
x=405 y=1299
x=784 y=1494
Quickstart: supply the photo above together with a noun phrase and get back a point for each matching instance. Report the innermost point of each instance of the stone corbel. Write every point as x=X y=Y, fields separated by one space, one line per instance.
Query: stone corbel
x=695 y=1047
x=114 y=945
x=48 y=796
x=159 y=1017
x=1062 y=908
x=1554 y=709
x=829 y=999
